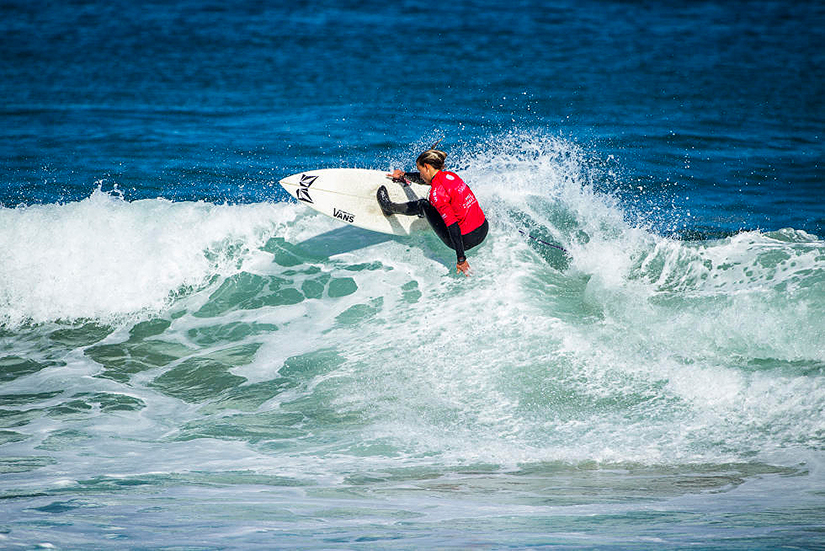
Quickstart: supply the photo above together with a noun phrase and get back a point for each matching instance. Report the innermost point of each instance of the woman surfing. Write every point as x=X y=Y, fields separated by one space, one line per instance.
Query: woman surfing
x=452 y=210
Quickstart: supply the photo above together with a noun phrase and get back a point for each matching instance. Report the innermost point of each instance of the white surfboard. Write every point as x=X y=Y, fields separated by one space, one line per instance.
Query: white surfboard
x=348 y=195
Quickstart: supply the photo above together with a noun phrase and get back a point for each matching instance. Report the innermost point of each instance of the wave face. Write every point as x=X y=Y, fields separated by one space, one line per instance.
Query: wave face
x=150 y=347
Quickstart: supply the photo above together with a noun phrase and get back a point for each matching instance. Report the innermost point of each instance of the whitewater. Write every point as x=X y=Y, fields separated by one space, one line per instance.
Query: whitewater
x=244 y=372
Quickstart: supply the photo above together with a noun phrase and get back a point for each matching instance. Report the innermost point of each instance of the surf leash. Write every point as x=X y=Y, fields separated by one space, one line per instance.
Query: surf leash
x=543 y=242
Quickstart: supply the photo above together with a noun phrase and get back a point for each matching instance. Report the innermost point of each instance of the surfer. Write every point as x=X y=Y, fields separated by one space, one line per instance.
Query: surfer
x=452 y=210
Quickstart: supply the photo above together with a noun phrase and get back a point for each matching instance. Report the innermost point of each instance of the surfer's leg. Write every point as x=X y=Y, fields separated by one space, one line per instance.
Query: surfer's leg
x=412 y=208
x=436 y=222
x=475 y=237
x=470 y=240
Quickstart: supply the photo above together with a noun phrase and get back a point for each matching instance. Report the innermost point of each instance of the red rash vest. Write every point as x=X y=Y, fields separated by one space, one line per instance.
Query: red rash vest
x=455 y=202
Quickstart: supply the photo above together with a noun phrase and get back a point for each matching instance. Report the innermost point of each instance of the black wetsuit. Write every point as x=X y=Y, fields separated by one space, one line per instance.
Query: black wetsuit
x=450 y=235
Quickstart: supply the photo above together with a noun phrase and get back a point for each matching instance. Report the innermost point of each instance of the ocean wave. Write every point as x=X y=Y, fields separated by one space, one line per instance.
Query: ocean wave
x=104 y=257
x=272 y=325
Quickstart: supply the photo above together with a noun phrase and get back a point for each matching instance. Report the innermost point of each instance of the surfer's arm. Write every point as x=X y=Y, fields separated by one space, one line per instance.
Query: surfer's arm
x=409 y=177
x=415 y=178
x=454 y=231
x=461 y=264
x=440 y=199
x=458 y=244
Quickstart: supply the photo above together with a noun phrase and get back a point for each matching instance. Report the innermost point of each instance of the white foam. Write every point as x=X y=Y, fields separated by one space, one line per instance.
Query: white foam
x=633 y=352
x=103 y=256
x=683 y=324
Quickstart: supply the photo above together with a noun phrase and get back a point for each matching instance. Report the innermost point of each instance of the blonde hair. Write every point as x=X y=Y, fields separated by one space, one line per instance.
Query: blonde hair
x=432 y=157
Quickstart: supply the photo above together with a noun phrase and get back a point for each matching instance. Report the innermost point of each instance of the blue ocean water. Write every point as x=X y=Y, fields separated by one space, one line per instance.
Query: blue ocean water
x=188 y=359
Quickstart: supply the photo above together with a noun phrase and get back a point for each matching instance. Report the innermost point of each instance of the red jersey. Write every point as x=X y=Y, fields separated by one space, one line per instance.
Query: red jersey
x=455 y=202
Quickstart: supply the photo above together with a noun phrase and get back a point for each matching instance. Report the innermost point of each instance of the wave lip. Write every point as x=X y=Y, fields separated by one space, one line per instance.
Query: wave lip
x=104 y=257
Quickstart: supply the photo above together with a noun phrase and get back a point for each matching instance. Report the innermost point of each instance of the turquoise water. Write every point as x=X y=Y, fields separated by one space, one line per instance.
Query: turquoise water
x=271 y=377
x=189 y=360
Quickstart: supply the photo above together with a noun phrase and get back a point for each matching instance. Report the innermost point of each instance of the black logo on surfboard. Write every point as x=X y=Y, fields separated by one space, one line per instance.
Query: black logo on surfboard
x=343 y=215
x=302 y=192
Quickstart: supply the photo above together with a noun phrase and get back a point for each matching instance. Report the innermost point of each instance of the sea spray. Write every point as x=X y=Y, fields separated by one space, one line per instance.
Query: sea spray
x=103 y=257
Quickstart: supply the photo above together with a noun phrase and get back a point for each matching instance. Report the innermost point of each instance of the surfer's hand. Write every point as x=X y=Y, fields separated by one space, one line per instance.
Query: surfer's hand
x=463 y=268
x=397 y=174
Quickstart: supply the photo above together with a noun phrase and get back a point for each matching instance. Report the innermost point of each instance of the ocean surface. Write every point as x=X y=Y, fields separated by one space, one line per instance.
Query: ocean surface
x=191 y=360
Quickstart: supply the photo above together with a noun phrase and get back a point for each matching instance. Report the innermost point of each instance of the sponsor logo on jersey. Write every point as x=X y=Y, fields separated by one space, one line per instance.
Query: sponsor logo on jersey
x=343 y=215
x=302 y=193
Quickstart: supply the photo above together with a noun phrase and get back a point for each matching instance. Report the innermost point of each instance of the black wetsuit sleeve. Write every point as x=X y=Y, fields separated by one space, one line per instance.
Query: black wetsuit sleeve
x=458 y=244
x=415 y=177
